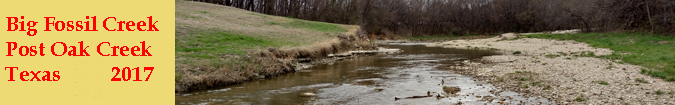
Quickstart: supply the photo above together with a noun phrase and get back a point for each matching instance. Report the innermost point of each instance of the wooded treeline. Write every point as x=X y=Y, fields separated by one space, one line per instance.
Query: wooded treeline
x=462 y=17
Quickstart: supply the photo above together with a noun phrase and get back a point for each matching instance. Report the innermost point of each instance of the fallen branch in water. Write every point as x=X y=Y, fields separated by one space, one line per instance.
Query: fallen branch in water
x=413 y=97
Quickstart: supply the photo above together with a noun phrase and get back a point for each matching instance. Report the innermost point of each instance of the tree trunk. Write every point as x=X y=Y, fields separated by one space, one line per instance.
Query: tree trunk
x=228 y=2
x=649 y=16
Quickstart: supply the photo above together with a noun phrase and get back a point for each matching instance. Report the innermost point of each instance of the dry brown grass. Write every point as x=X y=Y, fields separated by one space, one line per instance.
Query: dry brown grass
x=210 y=16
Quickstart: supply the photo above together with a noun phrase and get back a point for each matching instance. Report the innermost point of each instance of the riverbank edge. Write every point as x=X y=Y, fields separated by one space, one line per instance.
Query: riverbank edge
x=522 y=81
x=273 y=62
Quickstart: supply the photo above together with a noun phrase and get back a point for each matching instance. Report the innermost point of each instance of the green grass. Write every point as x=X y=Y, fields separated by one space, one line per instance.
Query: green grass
x=318 y=26
x=537 y=83
x=272 y=23
x=562 y=53
x=634 y=48
x=259 y=14
x=659 y=92
x=641 y=80
x=547 y=87
x=178 y=76
x=517 y=52
x=580 y=99
x=213 y=48
x=229 y=34
x=213 y=42
x=205 y=43
x=603 y=83
x=524 y=79
x=551 y=56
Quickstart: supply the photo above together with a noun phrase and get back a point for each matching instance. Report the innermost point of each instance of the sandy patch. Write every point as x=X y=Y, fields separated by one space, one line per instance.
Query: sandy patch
x=562 y=71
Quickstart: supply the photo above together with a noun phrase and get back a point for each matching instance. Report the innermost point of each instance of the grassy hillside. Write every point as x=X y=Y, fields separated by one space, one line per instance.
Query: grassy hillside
x=656 y=53
x=213 y=42
x=208 y=28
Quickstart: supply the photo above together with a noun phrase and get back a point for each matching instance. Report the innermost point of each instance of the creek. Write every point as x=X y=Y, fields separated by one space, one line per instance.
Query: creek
x=368 y=80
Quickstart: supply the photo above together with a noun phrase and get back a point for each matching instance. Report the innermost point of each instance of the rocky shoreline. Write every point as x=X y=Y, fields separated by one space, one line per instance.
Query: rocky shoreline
x=567 y=72
x=303 y=63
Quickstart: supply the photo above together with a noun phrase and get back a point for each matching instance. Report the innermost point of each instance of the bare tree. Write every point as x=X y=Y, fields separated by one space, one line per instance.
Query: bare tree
x=462 y=17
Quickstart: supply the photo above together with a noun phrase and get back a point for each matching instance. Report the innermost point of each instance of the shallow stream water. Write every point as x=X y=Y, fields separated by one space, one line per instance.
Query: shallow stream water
x=368 y=80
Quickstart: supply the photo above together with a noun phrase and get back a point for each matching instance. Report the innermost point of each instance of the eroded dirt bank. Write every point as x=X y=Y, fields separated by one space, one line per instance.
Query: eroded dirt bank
x=566 y=72
x=272 y=62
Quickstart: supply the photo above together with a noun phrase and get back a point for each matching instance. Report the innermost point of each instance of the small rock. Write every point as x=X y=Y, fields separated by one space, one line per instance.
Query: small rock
x=508 y=36
x=379 y=89
x=451 y=90
x=307 y=94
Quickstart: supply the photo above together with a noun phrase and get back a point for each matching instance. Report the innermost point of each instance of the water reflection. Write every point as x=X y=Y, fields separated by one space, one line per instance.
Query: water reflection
x=361 y=80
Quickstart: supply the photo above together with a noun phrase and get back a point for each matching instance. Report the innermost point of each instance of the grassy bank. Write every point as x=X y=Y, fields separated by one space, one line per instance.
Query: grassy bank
x=219 y=45
x=656 y=53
